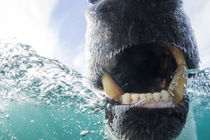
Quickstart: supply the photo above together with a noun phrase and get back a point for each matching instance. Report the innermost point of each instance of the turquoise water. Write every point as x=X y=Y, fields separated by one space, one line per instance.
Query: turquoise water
x=41 y=98
x=199 y=91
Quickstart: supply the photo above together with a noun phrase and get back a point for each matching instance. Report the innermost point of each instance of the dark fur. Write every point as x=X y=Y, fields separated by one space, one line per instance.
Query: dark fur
x=146 y=124
x=116 y=25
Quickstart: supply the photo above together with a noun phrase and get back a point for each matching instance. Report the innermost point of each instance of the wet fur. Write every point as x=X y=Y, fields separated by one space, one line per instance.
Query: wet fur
x=116 y=25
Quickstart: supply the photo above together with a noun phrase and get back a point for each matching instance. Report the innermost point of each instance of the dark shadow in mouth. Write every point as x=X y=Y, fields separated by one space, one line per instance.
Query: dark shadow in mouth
x=144 y=68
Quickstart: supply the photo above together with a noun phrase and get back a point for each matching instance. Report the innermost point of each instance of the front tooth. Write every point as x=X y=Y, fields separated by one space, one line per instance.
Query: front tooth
x=142 y=97
x=156 y=96
x=135 y=98
x=149 y=97
x=165 y=96
x=126 y=98
x=110 y=87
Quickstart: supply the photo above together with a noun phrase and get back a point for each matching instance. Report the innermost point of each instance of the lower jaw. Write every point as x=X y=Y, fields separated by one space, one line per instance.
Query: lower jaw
x=133 y=122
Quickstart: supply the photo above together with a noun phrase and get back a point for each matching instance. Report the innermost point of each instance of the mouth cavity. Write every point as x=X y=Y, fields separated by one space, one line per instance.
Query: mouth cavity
x=169 y=96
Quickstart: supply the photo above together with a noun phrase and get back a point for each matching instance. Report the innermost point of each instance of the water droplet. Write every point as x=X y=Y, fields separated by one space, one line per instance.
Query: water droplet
x=84 y=133
x=48 y=101
x=7 y=116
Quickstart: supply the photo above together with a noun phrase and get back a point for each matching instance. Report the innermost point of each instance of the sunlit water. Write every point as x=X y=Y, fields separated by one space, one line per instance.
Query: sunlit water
x=41 y=98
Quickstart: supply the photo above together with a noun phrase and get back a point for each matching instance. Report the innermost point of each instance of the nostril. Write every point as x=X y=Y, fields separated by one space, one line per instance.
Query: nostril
x=92 y=1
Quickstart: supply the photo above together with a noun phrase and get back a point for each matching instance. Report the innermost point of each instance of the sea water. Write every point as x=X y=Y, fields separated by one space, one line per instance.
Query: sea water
x=41 y=98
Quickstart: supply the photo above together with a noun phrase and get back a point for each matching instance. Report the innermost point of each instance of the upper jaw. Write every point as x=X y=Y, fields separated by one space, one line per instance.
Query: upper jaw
x=169 y=97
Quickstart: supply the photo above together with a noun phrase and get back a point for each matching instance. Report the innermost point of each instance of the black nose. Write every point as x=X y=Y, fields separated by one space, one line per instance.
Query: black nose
x=92 y=1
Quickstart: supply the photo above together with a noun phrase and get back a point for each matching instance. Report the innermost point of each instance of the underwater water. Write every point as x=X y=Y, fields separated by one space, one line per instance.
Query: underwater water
x=41 y=98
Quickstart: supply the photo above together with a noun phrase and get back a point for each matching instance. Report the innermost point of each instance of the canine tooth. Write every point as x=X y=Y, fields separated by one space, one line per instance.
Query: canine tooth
x=179 y=80
x=156 y=96
x=110 y=87
x=165 y=96
x=135 y=98
x=149 y=97
x=142 y=97
x=126 y=98
x=178 y=55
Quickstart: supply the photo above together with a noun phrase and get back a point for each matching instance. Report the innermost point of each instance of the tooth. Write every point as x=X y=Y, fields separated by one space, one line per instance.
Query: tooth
x=126 y=98
x=165 y=96
x=110 y=87
x=178 y=55
x=142 y=97
x=149 y=97
x=156 y=96
x=179 y=80
x=163 y=84
x=178 y=83
x=135 y=98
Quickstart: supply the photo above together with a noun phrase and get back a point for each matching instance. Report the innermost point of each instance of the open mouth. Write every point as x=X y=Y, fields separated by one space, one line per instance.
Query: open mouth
x=155 y=80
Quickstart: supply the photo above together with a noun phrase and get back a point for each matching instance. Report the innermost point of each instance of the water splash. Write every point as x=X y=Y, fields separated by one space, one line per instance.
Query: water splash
x=42 y=98
x=199 y=84
x=198 y=90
